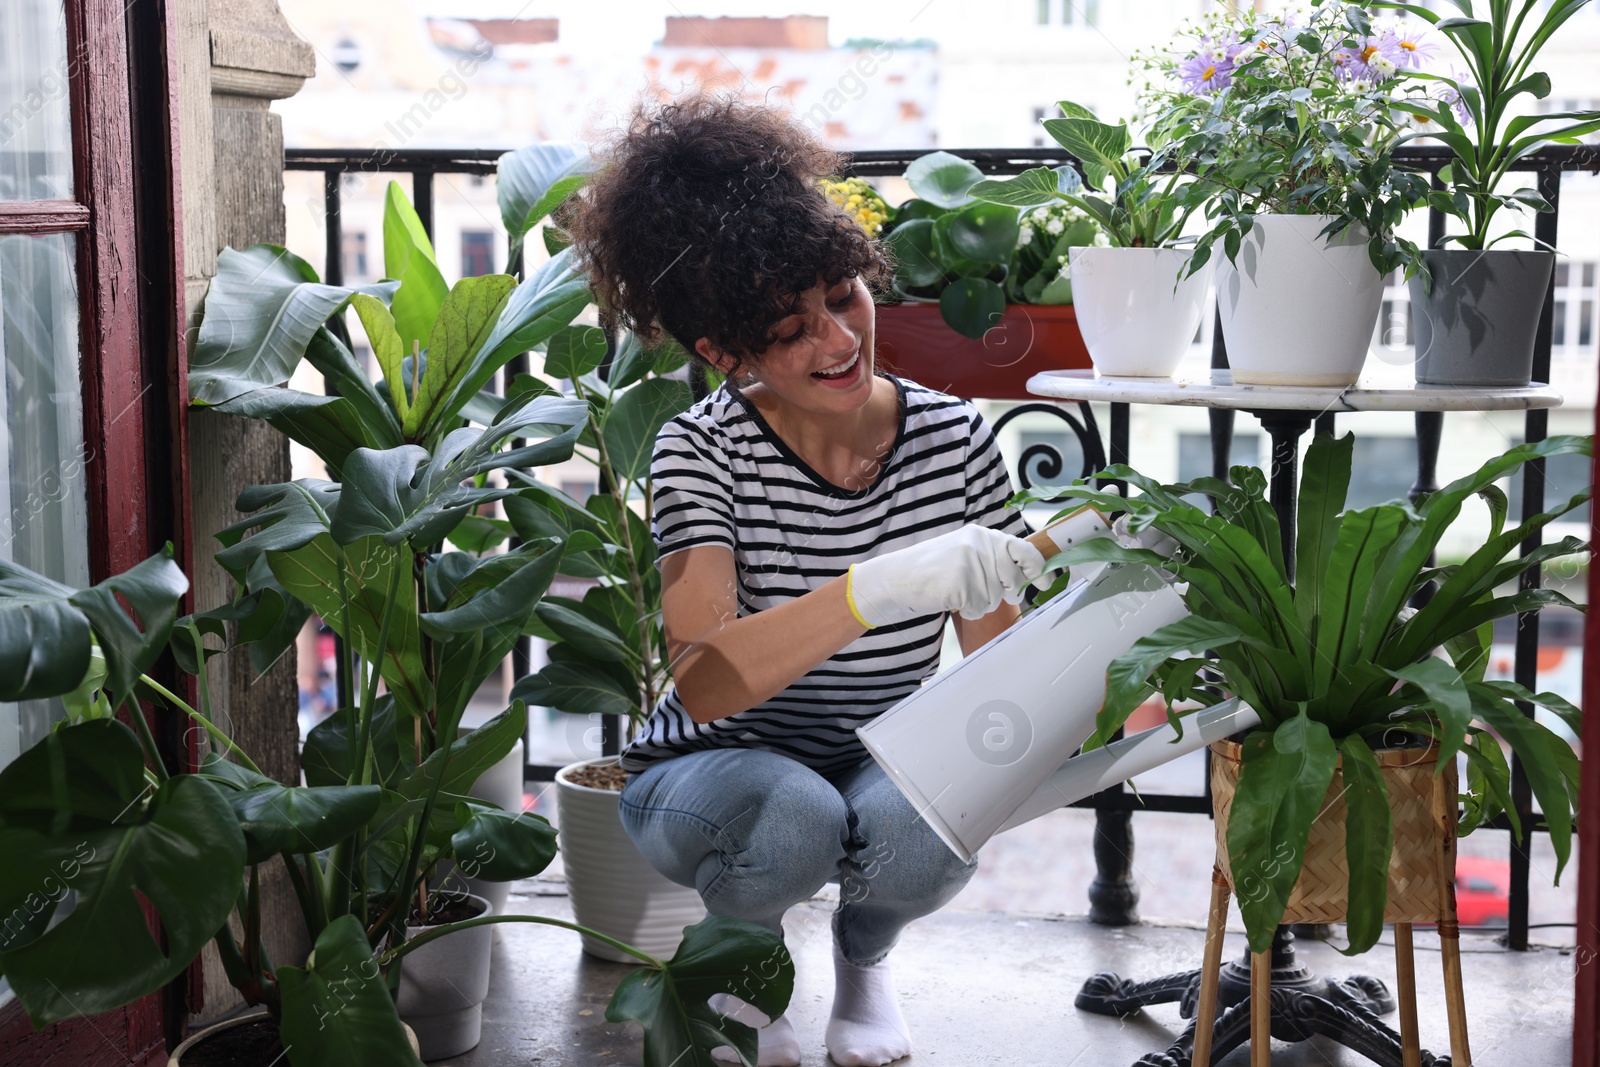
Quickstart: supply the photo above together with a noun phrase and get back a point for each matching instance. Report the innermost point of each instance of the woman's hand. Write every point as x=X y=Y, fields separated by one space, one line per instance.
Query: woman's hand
x=969 y=571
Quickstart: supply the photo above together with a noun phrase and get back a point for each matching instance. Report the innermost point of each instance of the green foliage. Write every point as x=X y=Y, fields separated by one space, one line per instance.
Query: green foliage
x=1475 y=112
x=975 y=253
x=1337 y=663
x=1139 y=210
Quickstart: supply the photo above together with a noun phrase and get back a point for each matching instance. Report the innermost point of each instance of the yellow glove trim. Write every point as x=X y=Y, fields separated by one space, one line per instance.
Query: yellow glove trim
x=850 y=597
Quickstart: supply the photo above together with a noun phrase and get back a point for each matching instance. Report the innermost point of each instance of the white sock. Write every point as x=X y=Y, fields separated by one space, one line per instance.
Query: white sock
x=866 y=1029
x=778 y=1047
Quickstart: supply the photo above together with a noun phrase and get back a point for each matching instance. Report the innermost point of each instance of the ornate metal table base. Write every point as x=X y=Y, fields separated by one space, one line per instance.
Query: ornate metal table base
x=1303 y=1006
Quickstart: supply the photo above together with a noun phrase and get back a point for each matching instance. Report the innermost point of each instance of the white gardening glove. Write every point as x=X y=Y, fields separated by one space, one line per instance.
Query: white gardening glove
x=968 y=571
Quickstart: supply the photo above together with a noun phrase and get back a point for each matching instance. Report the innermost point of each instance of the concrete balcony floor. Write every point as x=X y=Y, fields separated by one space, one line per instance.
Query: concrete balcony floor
x=982 y=988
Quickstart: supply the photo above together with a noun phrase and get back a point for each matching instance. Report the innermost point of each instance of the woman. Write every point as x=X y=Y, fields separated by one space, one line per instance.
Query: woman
x=816 y=522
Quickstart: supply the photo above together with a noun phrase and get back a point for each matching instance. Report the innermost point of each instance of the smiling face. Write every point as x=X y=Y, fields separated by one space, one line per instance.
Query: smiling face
x=820 y=361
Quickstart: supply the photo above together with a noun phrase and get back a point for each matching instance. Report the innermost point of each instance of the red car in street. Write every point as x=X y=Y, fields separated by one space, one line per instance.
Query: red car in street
x=1483 y=891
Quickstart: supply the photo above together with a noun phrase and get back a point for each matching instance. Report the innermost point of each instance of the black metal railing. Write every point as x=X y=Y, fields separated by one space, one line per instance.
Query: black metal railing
x=1113 y=896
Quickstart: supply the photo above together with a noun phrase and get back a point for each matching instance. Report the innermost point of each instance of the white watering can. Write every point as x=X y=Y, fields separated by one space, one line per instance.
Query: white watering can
x=988 y=744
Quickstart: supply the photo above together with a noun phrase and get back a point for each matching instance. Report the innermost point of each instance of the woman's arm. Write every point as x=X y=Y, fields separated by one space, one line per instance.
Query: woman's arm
x=723 y=664
x=973 y=635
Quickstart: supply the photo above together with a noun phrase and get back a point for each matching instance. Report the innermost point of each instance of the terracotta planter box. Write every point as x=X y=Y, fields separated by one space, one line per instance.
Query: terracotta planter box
x=913 y=341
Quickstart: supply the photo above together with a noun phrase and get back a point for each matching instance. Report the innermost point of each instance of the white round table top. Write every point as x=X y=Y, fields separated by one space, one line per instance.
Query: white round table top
x=1218 y=390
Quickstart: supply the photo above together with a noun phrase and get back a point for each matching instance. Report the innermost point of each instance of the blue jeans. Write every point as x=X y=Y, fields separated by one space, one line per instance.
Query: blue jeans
x=755 y=833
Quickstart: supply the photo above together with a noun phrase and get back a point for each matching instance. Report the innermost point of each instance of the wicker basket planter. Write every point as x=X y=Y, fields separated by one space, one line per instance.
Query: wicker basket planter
x=1421 y=868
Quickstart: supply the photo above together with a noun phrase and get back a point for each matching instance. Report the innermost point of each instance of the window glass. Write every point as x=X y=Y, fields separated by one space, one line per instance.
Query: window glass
x=1382 y=470
x=477 y=253
x=43 y=514
x=35 y=109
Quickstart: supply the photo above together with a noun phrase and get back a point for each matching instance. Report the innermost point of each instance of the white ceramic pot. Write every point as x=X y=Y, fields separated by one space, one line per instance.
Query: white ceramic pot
x=1136 y=317
x=443 y=985
x=1297 y=308
x=176 y=1058
x=613 y=889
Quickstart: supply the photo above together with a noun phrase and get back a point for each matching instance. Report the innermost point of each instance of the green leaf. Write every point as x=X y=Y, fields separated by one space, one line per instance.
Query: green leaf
x=384 y=340
x=1368 y=842
x=343 y=374
x=538 y=510
x=1282 y=783
x=533 y=181
x=717 y=955
x=44 y=640
x=179 y=853
x=285 y=517
x=327 y=759
x=328 y=425
x=301 y=819
x=548 y=299
x=943 y=179
x=1032 y=188
x=1128 y=674
x=1364 y=539
x=596 y=639
x=337 y=1011
x=575 y=351
x=463 y=762
x=499 y=593
x=911 y=245
x=153 y=590
x=261 y=311
x=985 y=233
x=634 y=420
x=1488 y=785
x=466 y=319
x=1094 y=143
x=408 y=259
x=1445 y=691
x=1535 y=746
x=1324 y=482
x=972 y=306
x=501 y=846
x=575 y=690
x=480 y=534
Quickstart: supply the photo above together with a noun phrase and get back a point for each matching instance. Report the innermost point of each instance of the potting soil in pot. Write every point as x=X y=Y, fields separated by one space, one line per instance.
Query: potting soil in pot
x=253 y=1044
x=607 y=776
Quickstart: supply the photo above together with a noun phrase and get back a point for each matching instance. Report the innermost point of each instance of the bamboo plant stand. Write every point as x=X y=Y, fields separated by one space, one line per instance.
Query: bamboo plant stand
x=1421 y=889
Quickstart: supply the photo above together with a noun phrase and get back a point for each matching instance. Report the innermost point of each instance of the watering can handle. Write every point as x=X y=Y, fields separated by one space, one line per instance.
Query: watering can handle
x=1080 y=525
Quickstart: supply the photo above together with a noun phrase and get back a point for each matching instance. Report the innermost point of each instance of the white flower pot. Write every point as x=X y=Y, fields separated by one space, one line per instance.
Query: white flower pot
x=1295 y=308
x=1136 y=317
x=613 y=889
x=443 y=985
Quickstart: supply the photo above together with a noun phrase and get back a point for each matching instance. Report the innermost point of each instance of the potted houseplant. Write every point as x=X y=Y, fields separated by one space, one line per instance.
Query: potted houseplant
x=984 y=297
x=385 y=800
x=607 y=653
x=1291 y=124
x=1138 y=305
x=1338 y=667
x=1475 y=322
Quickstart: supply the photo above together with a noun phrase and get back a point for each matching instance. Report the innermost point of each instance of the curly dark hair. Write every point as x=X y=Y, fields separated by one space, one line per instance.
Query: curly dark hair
x=706 y=221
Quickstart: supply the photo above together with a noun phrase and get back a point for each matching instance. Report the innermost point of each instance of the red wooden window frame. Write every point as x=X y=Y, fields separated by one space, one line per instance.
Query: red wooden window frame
x=127 y=220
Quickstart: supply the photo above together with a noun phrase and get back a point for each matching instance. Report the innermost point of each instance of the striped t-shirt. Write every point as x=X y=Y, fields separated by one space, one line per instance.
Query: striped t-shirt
x=722 y=477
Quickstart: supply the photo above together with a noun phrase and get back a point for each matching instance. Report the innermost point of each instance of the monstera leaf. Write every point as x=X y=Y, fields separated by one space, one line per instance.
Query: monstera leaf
x=341 y=981
x=76 y=813
x=45 y=627
x=718 y=955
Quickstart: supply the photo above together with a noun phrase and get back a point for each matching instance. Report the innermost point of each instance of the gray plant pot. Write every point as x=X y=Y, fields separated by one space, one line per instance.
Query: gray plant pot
x=442 y=988
x=1477 y=326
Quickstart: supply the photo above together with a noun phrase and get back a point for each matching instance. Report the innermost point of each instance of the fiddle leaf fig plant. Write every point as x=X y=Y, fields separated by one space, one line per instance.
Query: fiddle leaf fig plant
x=1335 y=661
x=97 y=809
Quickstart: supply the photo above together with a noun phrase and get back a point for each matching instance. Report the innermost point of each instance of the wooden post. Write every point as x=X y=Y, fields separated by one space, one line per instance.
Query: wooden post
x=1261 y=1009
x=1405 y=970
x=1205 y=1018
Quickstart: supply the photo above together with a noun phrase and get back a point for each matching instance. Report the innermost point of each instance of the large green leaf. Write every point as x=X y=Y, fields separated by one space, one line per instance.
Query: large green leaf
x=574 y=689
x=384 y=340
x=1535 y=746
x=548 y=299
x=1324 y=482
x=342 y=373
x=576 y=628
x=1128 y=675
x=337 y=1011
x=539 y=510
x=327 y=756
x=717 y=955
x=408 y=259
x=262 y=309
x=179 y=852
x=1099 y=146
x=985 y=233
x=284 y=517
x=499 y=593
x=312 y=572
x=466 y=320
x=972 y=306
x=916 y=262
x=1444 y=690
x=1031 y=188
x=635 y=418
x=1363 y=540
x=1282 y=783
x=501 y=846
x=328 y=425
x=533 y=181
x=1368 y=842
x=45 y=627
x=300 y=818
x=575 y=351
x=943 y=179
x=458 y=766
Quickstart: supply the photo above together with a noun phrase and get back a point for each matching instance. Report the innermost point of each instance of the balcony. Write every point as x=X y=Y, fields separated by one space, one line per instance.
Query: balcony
x=1050 y=904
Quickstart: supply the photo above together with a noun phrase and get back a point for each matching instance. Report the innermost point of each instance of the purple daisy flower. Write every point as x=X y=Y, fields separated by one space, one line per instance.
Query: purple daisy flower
x=1206 y=73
